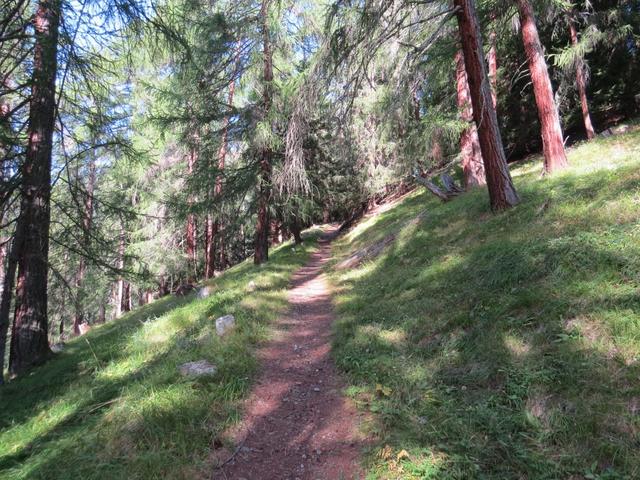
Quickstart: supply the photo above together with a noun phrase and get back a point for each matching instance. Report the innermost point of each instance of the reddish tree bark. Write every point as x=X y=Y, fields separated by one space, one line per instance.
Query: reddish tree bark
x=472 y=165
x=492 y=60
x=261 y=243
x=87 y=221
x=29 y=336
x=502 y=193
x=552 y=140
x=581 y=82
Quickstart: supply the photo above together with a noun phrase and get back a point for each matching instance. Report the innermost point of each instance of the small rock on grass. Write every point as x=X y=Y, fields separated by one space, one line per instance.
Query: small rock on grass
x=197 y=369
x=224 y=324
x=251 y=286
x=204 y=292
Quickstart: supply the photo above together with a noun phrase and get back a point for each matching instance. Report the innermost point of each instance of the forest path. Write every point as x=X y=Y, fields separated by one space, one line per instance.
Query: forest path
x=297 y=424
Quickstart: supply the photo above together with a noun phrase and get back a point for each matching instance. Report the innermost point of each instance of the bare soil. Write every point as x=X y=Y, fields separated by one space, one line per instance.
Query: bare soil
x=297 y=422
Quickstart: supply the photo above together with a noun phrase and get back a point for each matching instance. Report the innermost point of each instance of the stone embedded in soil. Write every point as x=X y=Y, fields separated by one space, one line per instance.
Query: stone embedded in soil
x=197 y=369
x=204 y=292
x=225 y=324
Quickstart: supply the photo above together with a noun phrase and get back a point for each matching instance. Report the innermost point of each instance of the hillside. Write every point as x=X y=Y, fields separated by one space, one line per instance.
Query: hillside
x=475 y=345
x=501 y=346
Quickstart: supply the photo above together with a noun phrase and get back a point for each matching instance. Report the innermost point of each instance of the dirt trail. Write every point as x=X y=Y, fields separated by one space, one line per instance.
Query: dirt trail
x=297 y=423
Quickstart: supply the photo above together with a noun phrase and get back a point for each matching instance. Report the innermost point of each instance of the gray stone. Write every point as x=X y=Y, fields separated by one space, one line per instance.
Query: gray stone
x=204 y=292
x=57 y=347
x=197 y=369
x=224 y=324
x=620 y=129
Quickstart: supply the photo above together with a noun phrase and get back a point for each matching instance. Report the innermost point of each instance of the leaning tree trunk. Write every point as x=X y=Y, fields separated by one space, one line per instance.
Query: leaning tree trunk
x=472 y=165
x=552 y=140
x=502 y=193
x=29 y=342
x=87 y=221
x=581 y=82
x=261 y=249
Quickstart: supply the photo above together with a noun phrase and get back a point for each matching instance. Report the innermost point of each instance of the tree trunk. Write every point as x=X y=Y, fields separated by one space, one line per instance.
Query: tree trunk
x=222 y=252
x=126 y=297
x=581 y=82
x=296 y=230
x=163 y=289
x=86 y=238
x=119 y=290
x=5 y=299
x=552 y=140
x=432 y=187
x=102 y=314
x=191 y=219
x=209 y=247
x=502 y=193
x=261 y=248
x=472 y=166
x=29 y=338
x=492 y=58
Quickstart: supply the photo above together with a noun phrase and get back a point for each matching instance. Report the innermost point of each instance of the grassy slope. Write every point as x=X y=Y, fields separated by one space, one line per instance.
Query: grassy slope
x=113 y=405
x=503 y=346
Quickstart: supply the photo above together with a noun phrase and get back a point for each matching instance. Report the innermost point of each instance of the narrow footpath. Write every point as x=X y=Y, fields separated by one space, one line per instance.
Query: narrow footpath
x=297 y=423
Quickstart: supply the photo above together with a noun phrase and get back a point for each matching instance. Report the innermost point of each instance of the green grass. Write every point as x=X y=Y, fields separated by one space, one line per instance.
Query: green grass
x=502 y=346
x=113 y=405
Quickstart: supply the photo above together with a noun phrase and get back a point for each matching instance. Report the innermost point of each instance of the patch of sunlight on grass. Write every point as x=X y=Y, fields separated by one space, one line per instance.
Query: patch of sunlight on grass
x=517 y=346
x=396 y=337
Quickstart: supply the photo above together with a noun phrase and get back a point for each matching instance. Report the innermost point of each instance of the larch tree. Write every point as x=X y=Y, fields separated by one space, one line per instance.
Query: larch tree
x=29 y=335
x=552 y=139
x=502 y=193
